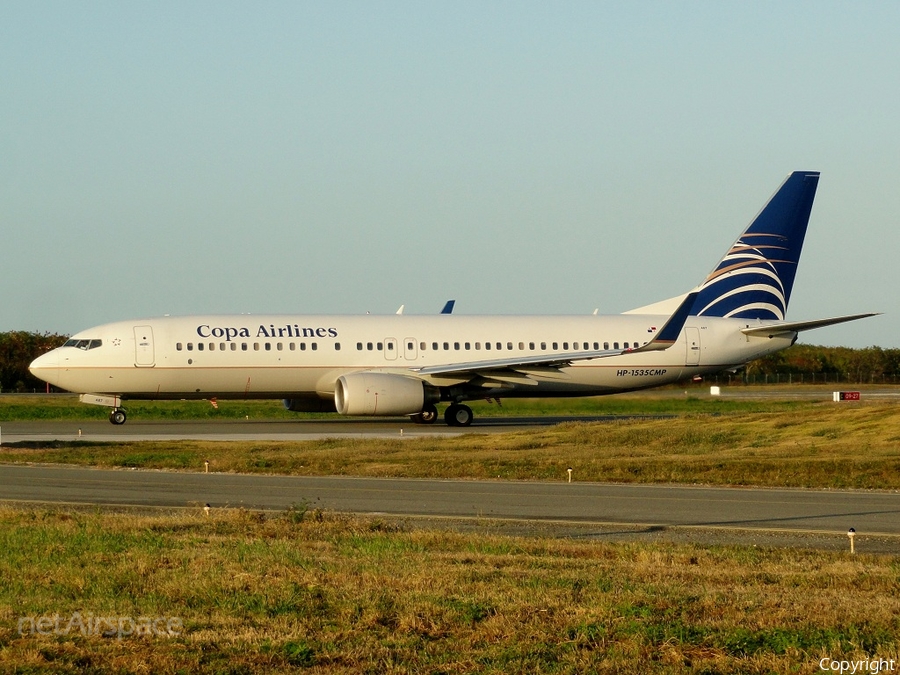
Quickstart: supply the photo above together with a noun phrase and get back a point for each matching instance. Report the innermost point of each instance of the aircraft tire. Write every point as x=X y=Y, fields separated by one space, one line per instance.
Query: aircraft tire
x=428 y=415
x=458 y=415
x=117 y=416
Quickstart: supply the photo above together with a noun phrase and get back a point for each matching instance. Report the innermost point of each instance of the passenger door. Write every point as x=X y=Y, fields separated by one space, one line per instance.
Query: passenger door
x=692 y=336
x=144 y=356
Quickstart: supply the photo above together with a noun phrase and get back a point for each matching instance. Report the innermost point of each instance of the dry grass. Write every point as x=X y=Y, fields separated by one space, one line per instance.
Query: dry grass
x=813 y=445
x=335 y=594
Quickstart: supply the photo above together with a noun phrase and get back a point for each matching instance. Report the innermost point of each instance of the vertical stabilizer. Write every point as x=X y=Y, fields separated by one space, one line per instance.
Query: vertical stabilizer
x=755 y=278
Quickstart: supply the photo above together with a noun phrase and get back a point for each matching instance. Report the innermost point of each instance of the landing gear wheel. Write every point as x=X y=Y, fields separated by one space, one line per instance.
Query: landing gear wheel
x=458 y=415
x=427 y=416
x=117 y=416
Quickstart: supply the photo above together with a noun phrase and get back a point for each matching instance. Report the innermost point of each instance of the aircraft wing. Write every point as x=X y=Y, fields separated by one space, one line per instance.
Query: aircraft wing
x=773 y=329
x=664 y=339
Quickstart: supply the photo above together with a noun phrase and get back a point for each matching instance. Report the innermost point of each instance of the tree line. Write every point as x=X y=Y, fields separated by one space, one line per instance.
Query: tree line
x=17 y=350
x=811 y=363
x=797 y=364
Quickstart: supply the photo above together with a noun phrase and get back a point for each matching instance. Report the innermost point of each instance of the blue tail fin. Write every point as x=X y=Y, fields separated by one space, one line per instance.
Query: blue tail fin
x=755 y=278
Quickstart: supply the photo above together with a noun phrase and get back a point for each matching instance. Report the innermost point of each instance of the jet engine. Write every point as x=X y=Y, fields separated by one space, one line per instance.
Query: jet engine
x=382 y=394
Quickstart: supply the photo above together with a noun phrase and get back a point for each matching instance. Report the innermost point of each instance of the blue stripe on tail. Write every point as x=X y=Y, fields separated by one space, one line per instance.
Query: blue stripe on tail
x=755 y=278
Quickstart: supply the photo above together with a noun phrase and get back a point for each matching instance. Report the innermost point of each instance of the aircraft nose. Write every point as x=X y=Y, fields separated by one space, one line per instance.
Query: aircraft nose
x=46 y=367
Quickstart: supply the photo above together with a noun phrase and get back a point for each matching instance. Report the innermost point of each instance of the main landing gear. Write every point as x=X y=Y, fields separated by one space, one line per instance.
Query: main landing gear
x=117 y=416
x=428 y=415
x=457 y=415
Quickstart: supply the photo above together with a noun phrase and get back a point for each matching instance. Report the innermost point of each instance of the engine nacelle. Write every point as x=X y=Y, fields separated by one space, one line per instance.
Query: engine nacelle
x=380 y=394
x=309 y=404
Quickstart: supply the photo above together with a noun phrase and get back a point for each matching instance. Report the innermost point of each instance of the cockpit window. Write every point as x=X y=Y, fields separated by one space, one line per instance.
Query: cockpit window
x=83 y=344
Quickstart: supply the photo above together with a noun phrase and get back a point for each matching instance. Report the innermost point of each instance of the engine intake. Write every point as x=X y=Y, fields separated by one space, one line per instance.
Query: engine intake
x=381 y=394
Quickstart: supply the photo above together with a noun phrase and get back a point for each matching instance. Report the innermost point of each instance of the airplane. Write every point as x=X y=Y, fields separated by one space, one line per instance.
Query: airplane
x=396 y=365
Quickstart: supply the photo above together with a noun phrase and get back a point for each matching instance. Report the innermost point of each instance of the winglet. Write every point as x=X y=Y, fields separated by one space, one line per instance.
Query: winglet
x=668 y=334
x=448 y=308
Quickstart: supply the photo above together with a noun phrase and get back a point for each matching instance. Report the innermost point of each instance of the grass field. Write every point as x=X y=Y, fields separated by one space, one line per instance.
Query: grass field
x=14 y=407
x=241 y=592
x=707 y=441
x=305 y=591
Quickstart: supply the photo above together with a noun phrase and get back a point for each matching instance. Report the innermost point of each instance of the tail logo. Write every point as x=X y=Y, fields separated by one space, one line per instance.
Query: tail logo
x=747 y=280
x=755 y=278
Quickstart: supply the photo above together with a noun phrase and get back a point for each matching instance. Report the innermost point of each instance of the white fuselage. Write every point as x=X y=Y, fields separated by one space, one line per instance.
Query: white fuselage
x=284 y=356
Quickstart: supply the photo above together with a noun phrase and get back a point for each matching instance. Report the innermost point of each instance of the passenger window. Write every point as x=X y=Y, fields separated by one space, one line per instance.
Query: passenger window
x=243 y=346
x=477 y=346
x=555 y=346
x=178 y=346
x=359 y=346
x=487 y=346
x=543 y=346
x=615 y=345
x=212 y=346
x=468 y=346
x=199 y=346
x=234 y=346
x=337 y=346
x=434 y=346
x=456 y=346
x=302 y=346
x=521 y=346
x=605 y=345
x=509 y=346
x=565 y=345
x=499 y=345
x=380 y=346
x=314 y=346
x=422 y=345
x=370 y=346
x=596 y=346
x=221 y=346
x=625 y=346
x=256 y=346
x=268 y=346
x=531 y=346
x=586 y=346
x=446 y=346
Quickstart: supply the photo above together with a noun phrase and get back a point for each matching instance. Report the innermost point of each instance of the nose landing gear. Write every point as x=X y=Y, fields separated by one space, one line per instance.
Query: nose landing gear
x=117 y=416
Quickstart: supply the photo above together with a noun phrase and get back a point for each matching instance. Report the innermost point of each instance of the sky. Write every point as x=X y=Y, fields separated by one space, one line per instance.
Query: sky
x=518 y=157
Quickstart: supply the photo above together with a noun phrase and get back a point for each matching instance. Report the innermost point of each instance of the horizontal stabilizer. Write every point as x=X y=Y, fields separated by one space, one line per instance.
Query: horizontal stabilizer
x=773 y=329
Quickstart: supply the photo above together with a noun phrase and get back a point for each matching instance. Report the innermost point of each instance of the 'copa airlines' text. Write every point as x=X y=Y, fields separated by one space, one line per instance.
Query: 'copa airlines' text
x=229 y=333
